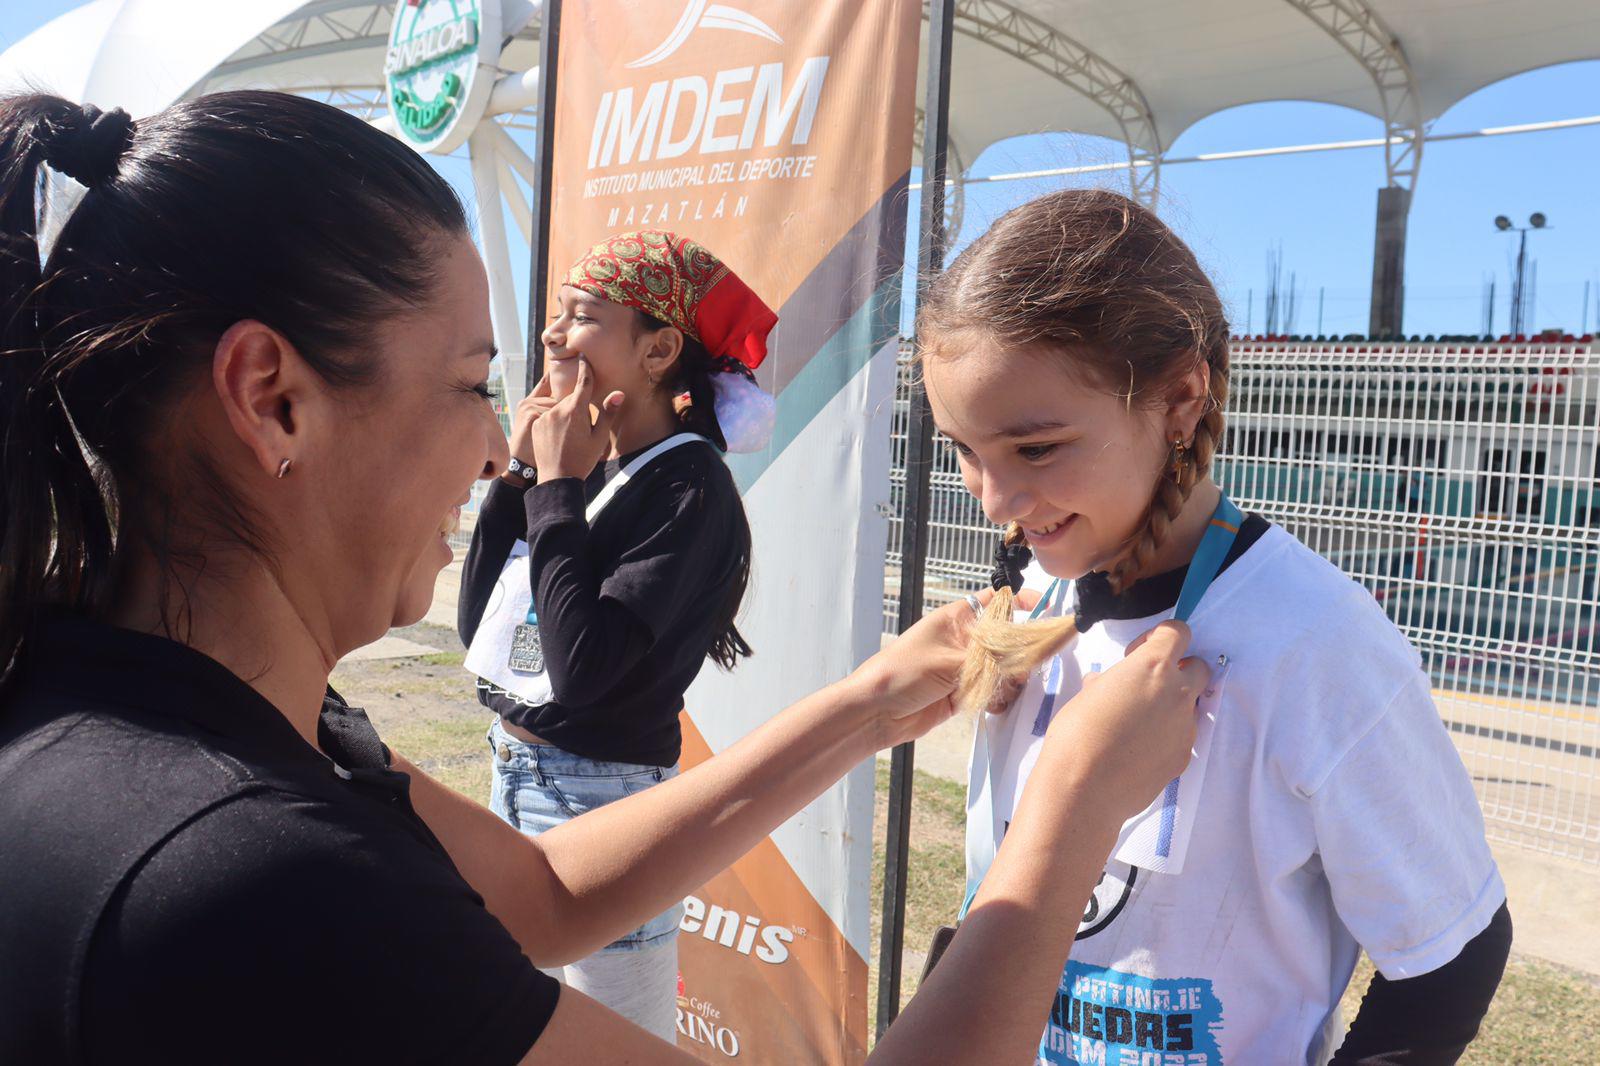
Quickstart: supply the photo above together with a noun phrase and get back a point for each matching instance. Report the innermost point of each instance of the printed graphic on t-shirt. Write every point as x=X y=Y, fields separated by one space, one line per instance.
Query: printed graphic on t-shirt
x=1111 y=894
x=1105 y=1018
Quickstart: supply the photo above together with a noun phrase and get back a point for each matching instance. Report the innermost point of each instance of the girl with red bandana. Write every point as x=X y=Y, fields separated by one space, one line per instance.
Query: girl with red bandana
x=592 y=597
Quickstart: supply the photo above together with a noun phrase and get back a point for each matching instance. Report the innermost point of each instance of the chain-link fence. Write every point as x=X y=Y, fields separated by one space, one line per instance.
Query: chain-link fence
x=1458 y=483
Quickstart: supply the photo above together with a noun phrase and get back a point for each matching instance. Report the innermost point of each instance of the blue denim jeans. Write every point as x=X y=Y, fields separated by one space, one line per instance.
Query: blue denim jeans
x=536 y=787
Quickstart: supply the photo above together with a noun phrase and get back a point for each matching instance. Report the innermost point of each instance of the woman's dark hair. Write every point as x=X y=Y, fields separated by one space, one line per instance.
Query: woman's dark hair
x=694 y=400
x=234 y=206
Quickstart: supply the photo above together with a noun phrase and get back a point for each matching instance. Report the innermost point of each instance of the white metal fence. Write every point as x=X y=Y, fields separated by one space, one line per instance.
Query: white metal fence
x=1458 y=483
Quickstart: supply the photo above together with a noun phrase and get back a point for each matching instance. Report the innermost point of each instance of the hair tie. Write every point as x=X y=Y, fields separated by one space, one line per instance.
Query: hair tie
x=86 y=144
x=1011 y=557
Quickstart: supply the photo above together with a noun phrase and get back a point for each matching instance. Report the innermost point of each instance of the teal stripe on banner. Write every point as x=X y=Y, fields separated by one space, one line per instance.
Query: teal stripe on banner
x=830 y=370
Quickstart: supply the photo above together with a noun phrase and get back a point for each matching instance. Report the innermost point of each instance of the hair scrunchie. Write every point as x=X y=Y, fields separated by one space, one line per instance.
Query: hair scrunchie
x=1011 y=557
x=86 y=144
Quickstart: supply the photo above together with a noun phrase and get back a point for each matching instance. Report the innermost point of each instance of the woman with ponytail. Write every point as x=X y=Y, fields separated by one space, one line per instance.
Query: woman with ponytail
x=242 y=395
x=1077 y=357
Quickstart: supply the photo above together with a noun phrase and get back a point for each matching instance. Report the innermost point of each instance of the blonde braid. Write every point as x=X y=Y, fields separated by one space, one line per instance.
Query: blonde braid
x=1185 y=467
x=1166 y=503
x=1000 y=651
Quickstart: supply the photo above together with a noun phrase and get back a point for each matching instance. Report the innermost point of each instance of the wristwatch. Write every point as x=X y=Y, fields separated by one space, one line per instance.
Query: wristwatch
x=518 y=468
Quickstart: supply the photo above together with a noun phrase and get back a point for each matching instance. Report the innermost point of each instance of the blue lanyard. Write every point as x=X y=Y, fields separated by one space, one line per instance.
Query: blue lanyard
x=1203 y=570
x=1208 y=559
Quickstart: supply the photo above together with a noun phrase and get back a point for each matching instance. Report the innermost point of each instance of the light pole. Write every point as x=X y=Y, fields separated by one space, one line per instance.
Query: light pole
x=1518 y=303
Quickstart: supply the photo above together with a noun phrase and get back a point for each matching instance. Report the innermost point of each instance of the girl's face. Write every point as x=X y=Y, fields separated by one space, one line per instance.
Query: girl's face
x=623 y=357
x=1070 y=462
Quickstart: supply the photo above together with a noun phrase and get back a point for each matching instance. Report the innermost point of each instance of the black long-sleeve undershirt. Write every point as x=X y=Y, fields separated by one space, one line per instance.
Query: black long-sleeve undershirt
x=1429 y=1020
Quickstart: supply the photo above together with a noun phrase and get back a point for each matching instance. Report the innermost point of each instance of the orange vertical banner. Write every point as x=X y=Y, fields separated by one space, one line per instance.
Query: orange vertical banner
x=779 y=135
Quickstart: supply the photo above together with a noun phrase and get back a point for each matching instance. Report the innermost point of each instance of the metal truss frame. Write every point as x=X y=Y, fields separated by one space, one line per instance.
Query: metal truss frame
x=1080 y=68
x=1356 y=27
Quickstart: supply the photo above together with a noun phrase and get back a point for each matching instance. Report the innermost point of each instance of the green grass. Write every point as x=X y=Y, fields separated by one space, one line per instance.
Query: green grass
x=450 y=750
x=443 y=658
x=935 y=874
x=425 y=709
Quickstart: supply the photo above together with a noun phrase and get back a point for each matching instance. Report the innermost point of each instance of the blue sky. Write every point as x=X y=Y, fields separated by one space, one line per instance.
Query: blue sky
x=1319 y=208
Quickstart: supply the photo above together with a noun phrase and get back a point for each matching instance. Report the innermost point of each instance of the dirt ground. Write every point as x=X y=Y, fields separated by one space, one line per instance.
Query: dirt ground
x=424 y=707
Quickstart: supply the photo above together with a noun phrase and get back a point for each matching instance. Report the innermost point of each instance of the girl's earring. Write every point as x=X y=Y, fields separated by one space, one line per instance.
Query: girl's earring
x=284 y=467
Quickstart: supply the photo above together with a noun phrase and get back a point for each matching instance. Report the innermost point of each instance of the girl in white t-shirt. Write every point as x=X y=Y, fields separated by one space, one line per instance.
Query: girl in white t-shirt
x=1077 y=357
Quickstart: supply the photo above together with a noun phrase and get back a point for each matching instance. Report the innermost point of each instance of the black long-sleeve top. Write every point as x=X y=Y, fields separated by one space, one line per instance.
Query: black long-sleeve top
x=626 y=608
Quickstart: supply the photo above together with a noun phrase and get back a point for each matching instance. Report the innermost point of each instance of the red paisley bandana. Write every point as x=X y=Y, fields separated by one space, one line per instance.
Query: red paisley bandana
x=683 y=284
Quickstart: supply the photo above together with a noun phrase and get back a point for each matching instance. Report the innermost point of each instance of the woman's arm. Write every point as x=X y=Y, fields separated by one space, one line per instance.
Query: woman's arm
x=1106 y=755
x=577 y=887
x=1111 y=749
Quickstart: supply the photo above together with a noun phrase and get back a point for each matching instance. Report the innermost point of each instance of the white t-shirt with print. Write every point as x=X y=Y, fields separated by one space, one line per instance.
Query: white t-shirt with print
x=1326 y=810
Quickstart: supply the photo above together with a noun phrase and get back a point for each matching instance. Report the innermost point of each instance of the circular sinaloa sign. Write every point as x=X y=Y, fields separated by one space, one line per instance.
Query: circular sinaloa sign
x=440 y=67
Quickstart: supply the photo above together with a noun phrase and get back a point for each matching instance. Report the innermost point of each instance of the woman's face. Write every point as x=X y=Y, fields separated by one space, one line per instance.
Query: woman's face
x=607 y=335
x=392 y=479
x=1073 y=464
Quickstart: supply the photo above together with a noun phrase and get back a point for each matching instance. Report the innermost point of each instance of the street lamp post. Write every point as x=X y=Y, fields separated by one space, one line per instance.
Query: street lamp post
x=1519 y=307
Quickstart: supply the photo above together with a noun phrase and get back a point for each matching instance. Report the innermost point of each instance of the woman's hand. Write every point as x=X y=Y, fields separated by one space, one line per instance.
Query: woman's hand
x=909 y=684
x=1132 y=727
x=1107 y=752
x=567 y=441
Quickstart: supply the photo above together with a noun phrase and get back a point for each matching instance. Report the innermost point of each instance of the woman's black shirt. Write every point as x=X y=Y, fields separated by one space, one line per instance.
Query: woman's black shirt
x=185 y=880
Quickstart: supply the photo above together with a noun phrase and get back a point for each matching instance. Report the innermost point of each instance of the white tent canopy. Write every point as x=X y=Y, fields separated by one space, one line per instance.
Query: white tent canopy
x=1033 y=65
x=1137 y=71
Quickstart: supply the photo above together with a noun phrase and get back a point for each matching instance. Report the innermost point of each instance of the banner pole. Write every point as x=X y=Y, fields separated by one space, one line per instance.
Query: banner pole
x=543 y=158
x=914 y=519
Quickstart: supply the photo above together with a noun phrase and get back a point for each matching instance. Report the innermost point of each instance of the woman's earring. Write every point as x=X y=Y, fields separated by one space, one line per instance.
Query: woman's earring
x=283 y=468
